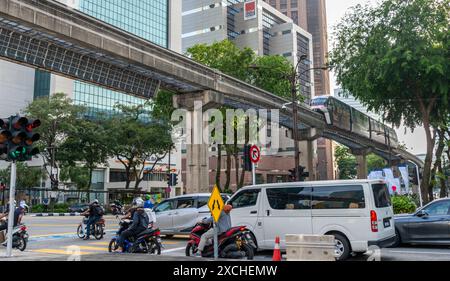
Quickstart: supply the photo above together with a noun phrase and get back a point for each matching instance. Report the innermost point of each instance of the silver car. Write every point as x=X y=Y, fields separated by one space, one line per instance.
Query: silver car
x=179 y=215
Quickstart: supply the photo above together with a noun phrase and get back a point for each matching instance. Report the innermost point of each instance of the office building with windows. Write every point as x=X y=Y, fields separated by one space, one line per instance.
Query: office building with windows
x=158 y=21
x=263 y=28
x=311 y=15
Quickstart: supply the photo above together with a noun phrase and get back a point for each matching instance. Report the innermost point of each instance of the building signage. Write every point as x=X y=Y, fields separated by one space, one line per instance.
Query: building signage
x=250 y=10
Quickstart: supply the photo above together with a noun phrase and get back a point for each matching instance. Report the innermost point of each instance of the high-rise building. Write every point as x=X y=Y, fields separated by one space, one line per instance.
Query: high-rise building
x=312 y=16
x=262 y=28
x=158 y=21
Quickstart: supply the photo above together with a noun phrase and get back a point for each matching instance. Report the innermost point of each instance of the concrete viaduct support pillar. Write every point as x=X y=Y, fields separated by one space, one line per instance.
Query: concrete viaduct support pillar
x=197 y=152
x=361 y=162
x=308 y=139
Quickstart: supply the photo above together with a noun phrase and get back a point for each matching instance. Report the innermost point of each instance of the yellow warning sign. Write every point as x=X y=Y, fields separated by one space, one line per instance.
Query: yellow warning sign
x=215 y=203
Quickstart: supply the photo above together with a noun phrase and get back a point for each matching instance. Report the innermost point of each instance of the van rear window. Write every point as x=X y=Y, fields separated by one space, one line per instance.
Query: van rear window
x=381 y=195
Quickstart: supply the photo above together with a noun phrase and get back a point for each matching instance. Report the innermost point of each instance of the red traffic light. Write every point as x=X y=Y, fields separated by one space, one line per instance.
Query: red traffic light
x=32 y=124
x=19 y=122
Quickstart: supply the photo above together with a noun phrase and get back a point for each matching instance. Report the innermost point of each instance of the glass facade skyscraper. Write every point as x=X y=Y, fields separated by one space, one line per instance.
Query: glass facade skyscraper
x=145 y=18
x=148 y=19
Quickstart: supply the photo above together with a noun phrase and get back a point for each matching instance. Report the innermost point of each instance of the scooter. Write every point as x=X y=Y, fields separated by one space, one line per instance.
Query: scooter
x=236 y=243
x=148 y=241
x=116 y=209
x=20 y=238
x=97 y=229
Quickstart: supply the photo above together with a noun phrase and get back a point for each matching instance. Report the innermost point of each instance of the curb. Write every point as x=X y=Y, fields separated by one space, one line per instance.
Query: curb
x=54 y=214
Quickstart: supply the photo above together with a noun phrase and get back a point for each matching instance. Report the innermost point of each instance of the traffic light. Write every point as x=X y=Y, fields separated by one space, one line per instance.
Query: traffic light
x=17 y=138
x=169 y=179
x=247 y=161
x=302 y=173
x=174 y=179
x=292 y=175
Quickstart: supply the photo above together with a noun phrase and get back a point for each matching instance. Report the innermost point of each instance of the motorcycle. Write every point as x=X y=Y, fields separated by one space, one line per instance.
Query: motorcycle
x=20 y=238
x=116 y=209
x=148 y=241
x=97 y=229
x=235 y=243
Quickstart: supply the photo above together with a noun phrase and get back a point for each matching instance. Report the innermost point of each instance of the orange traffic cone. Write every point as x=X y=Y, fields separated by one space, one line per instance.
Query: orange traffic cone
x=276 y=250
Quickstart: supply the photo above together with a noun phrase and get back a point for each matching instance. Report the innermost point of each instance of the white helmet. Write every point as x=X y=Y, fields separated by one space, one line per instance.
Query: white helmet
x=138 y=202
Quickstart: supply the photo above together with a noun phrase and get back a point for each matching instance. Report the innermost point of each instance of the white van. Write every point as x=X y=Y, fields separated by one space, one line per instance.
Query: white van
x=357 y=212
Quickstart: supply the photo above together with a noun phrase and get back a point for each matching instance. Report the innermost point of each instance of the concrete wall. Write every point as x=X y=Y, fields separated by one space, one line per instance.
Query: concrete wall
x=16 y=87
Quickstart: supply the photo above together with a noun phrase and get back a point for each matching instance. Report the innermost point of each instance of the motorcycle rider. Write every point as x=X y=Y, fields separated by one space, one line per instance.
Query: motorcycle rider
x=140 y=223
x=95 y=214
x=148 y=202
x=18 y=215
x=223 y=224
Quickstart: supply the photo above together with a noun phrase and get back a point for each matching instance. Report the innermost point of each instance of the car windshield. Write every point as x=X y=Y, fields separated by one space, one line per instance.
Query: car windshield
x=381 y=195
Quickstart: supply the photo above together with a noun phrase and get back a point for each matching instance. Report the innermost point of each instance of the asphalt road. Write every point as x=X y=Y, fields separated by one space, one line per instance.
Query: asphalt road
x=55 y=237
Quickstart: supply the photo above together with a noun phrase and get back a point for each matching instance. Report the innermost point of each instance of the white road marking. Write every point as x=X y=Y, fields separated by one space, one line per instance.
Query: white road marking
x=419 y=252
x=173 y=250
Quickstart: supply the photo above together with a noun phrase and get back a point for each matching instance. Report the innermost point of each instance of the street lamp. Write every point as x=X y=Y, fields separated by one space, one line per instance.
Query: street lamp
x=293 y=77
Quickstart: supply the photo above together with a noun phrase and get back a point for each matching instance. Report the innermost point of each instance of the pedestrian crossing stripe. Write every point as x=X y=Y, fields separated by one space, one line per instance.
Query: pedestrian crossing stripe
x=100 y=243
x=58 y=252
x=91 y=248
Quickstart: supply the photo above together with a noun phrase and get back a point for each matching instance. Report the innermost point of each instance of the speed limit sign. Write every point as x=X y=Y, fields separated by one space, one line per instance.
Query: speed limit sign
x=255 y=154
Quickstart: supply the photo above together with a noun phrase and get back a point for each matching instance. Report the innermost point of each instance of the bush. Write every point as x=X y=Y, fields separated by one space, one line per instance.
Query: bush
x=39 y=208
x=403 y=204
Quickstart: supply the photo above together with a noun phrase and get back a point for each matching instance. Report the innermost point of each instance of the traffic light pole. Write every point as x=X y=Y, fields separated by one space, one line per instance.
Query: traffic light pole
x=12 y=208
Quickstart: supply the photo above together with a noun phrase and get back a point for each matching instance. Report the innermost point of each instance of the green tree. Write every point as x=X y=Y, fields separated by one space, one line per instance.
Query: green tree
x=224 y=56
x=394 y=57
x=346 y=163
x=58 y=116
x=375 y=162
x=134 y=137
x=270 y=75
x=26 y=177
x=87 y=143
x=76 y=175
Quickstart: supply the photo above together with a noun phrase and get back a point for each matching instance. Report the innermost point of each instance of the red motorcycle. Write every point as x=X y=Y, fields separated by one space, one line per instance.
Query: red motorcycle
x=236 y=243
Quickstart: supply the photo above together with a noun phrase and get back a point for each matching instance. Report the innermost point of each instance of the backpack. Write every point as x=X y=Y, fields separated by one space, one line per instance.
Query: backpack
x=99 y=211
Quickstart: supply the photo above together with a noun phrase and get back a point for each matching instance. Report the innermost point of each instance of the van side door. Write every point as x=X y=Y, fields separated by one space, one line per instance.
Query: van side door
x=287 y=210
x=246 y=209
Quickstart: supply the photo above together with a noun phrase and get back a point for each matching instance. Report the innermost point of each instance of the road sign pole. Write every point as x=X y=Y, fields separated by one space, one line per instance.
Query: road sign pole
x=254 y=173
x=12 y=208
x=216 y=242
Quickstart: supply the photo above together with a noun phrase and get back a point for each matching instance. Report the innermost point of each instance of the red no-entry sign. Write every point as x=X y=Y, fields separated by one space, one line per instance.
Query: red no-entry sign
x=255 y=154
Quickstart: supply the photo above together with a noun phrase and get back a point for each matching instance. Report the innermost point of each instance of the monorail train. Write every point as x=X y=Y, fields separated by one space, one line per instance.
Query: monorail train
x=348 y=118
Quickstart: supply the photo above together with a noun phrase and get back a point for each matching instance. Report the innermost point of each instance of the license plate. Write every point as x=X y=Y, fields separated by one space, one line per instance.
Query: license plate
x=387 y=223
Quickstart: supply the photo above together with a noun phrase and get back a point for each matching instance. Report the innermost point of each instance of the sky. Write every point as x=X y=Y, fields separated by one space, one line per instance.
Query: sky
x=415 y=142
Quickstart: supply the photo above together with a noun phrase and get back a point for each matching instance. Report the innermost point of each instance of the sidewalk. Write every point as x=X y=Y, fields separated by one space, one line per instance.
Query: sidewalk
x=24 y=256
x=52 y=214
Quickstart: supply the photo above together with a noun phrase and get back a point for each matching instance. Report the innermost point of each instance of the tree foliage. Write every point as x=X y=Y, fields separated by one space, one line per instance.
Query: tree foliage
x=394 y=57
x=134 y=136
x=58 y=117
x=346 y=163
x=27 y=177
x=87 y=143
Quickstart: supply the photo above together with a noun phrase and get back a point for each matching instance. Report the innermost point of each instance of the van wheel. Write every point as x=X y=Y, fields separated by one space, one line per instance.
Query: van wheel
x=342 y=247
